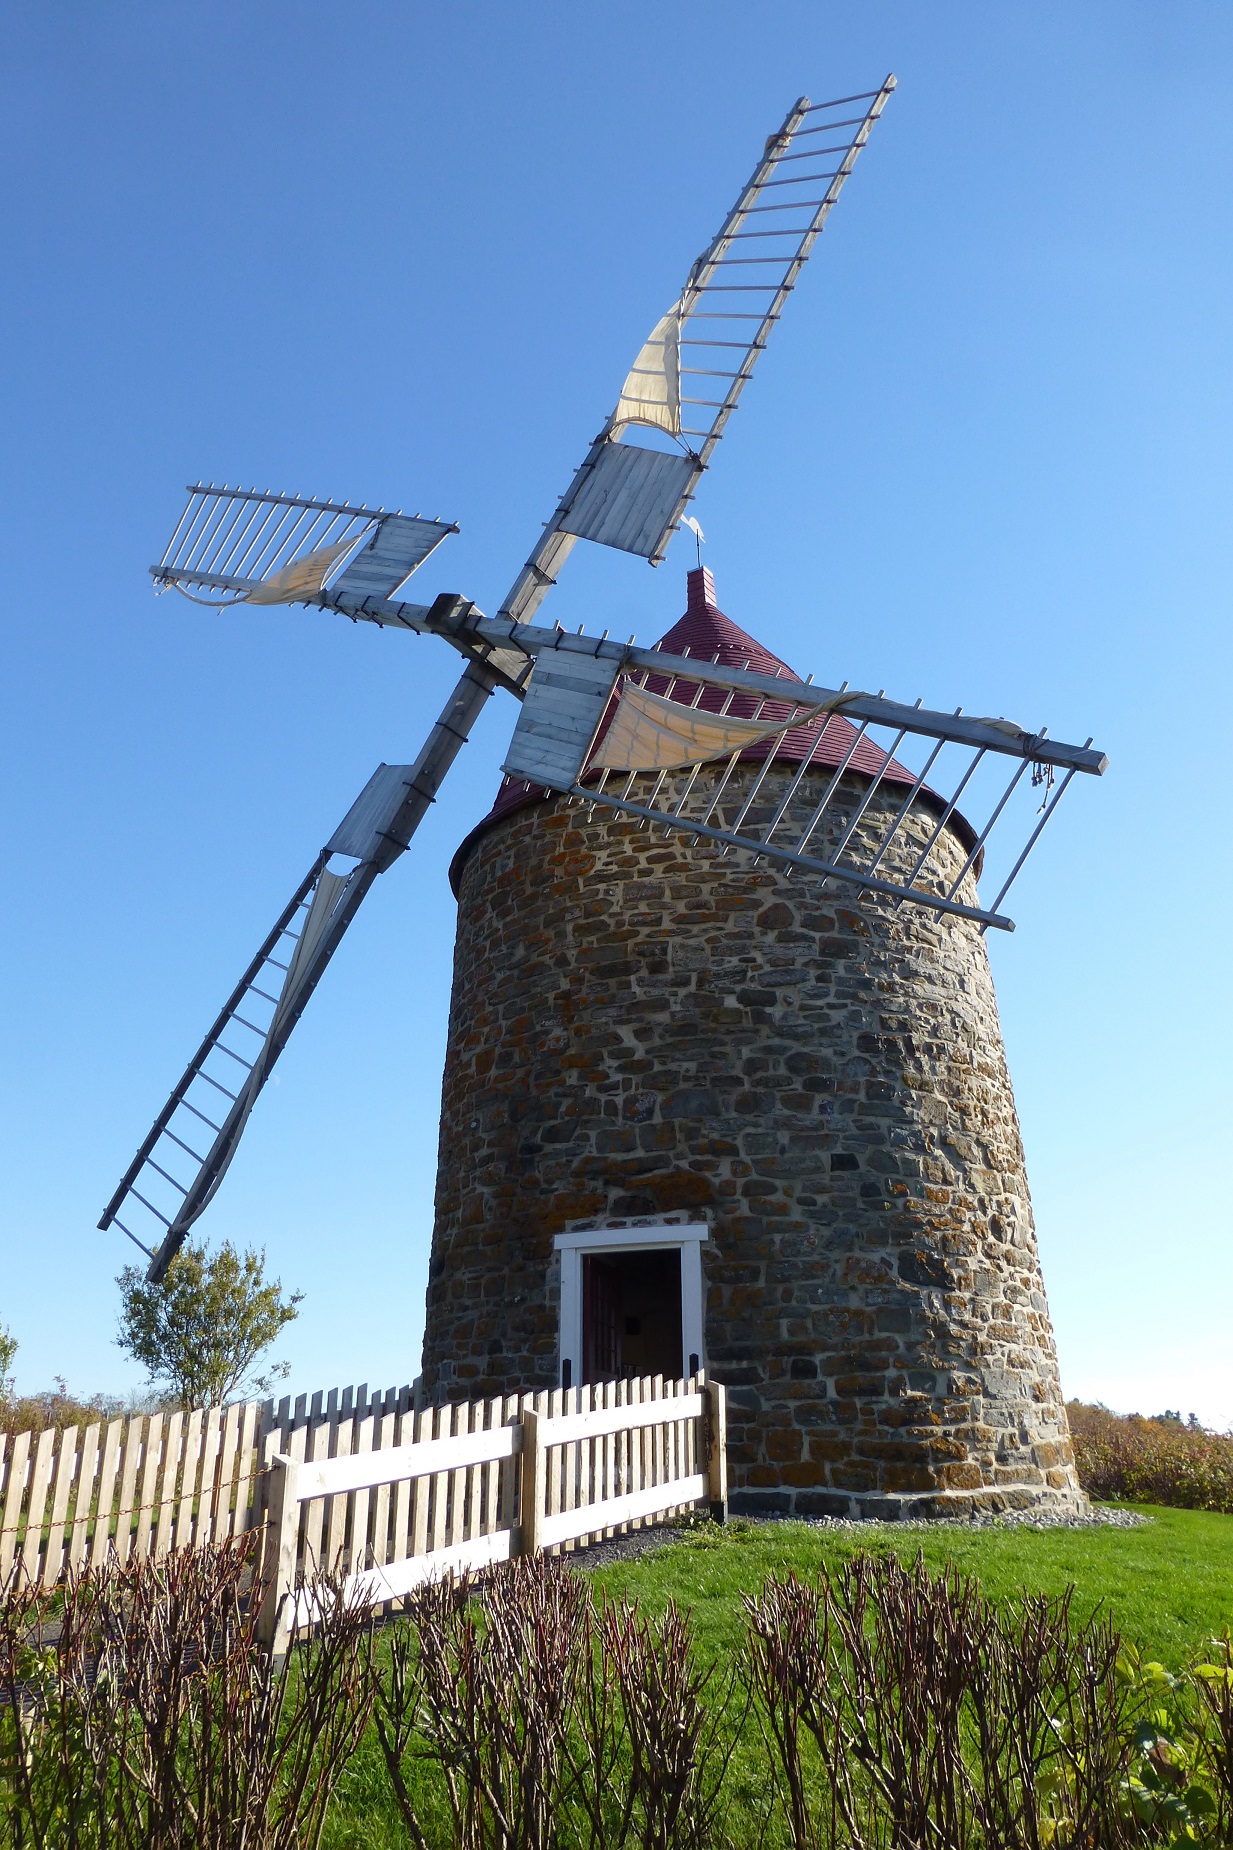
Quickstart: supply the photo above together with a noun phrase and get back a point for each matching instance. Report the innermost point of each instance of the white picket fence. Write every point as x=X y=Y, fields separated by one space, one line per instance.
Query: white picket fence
x=476 y=1483
x=153 y=1484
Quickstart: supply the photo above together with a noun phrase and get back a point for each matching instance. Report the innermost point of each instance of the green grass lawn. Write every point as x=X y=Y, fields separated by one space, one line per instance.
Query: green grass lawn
x=1167 y=1585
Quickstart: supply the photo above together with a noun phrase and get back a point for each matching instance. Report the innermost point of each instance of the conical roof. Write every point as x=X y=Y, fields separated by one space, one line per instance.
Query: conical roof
x=705 y=633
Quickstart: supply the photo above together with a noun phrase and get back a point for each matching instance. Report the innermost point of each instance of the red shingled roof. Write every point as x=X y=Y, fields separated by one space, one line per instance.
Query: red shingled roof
x=706 y=633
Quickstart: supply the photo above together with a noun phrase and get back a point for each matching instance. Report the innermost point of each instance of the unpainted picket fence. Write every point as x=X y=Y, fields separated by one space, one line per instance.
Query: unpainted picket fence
x=150 y=1485
x=476 y=1483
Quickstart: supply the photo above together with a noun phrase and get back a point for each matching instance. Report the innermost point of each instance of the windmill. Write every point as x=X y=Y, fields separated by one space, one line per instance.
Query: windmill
x=595 y=716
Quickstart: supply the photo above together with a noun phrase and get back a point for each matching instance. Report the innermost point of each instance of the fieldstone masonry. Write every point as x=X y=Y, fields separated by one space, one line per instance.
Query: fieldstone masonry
x=640 y=1026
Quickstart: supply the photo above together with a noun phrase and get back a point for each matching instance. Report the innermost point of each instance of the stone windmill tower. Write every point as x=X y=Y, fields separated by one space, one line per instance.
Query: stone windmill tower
x=725 y=1084
x=692 y=1114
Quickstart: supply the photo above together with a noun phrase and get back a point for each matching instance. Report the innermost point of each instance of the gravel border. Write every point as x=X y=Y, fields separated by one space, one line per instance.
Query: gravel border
x=639 y=1542
x=1008 y=1519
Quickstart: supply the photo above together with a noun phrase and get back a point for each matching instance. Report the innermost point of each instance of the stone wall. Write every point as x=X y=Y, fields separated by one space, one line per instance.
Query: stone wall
x=640 y=1026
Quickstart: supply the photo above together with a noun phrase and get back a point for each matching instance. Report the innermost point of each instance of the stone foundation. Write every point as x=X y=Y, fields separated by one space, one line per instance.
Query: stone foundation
x=639 y=1027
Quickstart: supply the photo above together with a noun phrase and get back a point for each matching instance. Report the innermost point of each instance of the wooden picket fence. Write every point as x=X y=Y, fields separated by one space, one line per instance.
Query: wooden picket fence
x=463 y=1487
x=153 y=1484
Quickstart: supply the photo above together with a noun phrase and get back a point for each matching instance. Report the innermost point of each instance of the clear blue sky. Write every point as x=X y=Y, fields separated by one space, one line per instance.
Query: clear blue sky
x=405 y=253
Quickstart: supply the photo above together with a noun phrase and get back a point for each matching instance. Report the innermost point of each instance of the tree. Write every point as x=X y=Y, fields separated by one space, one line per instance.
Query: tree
x=201 y=1330
x=8 y=1349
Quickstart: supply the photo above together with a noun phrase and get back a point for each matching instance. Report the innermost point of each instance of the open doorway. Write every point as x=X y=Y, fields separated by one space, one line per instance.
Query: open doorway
x=631 y=1315
x=631 y=1302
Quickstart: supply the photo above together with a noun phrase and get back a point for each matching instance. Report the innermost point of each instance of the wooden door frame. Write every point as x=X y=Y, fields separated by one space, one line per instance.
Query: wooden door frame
x=664 y=1236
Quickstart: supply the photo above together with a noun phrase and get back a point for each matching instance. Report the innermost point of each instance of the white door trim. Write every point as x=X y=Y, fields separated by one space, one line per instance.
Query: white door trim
x=685 y=1238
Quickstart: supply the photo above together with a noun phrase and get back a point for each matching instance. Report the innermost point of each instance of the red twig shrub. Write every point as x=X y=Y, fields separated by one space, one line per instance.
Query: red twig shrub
x=137 y=1712
x=1151 y=1460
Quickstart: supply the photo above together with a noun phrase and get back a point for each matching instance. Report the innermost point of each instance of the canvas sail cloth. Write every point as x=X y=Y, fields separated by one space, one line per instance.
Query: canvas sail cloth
x=330 y=891
x=649 y=733
x=652 y=390
x=303 y=578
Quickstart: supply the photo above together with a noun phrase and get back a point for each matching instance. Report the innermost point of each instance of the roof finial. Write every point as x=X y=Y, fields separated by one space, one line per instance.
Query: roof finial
x=698 y=534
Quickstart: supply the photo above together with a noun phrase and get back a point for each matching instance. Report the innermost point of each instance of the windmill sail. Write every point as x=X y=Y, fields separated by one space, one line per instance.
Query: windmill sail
x=689 y=375
x=281 y=549
x=172 y=1179
x=571 y=738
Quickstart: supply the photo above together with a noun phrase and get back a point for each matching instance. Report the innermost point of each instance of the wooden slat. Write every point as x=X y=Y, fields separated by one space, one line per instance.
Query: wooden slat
x=652 y=1501
x=134 y=1443
x=211 y=1436
x=570 y=1404
x=322 y=1440
x=613 y=1444
x=87 y=1475
x=650 y=1453
x=540 y=1403
x=421 y=1459
x=668 y=1437
x=190 y=1470
x=361 y=1503
x=40 y=1476
x=14 y=1497
x=658 y=1464
x=245 y=1512
x=298 y=1439
x=611 y=1409
x=147 y=1496
x=64 y=1476
x=317 y=1442
x=634 y=1445
x=612 y=1418
x=490 y=1473
x=455 y=1514
x=108 y=1484
x=685 y=1433
x=172 y=1444
x=475 y=1506
x=552 y=1498
x=507 y=1489
x=336 y=1509
x=442 y=1426
x=383 y=1441
x=401 y=1495
x=279 y=1432
x=224 y=1516
x=422 y=1488
x=398 y=1578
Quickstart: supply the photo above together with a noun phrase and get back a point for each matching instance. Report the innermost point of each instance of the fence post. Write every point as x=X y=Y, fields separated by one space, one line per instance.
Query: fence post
x=279 y=1555
x=531 y=1501
x=717 y=1450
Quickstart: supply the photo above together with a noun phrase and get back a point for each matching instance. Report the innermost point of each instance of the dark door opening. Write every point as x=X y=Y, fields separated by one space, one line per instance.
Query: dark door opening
x=631 y=1315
